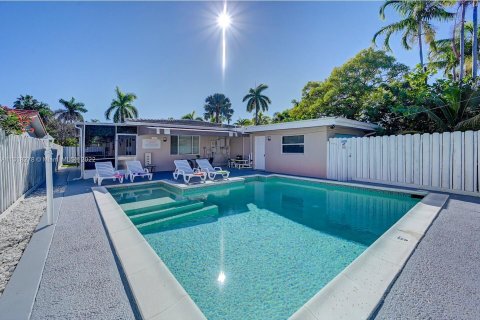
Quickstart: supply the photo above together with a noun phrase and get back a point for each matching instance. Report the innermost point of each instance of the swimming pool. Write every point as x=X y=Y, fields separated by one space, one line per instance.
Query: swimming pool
x=259 y=249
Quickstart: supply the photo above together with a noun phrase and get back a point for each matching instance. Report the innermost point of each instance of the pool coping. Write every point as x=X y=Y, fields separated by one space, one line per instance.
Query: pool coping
x=355 y=292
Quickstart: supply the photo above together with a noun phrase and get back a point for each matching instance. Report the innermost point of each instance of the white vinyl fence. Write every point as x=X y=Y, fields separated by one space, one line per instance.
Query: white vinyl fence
x=443 y=161
x=71 y=154
x=22 y=166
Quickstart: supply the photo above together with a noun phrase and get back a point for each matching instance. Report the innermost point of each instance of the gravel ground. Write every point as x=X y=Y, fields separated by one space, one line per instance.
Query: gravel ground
x=16 y=229
x=441 y=279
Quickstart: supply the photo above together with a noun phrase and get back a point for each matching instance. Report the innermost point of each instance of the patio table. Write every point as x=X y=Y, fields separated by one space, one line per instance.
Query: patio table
x=239 y=164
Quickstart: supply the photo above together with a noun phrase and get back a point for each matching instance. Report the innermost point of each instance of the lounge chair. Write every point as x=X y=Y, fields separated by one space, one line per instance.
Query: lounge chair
x=182 y=167
x=135 y=169
x=104 y=170
x=212 y=172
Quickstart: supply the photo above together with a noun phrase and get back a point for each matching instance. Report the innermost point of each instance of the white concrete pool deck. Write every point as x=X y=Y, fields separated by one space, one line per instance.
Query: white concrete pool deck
x=354 y=293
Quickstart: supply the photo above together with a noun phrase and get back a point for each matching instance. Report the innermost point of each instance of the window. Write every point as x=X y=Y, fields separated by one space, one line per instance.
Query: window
x=184 y=145
x=127 y=145
x=293 y=144
x=99 y=145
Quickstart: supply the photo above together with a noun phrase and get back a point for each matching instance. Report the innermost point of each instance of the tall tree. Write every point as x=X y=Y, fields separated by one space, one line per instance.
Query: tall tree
x=243 y=122
x=475 y=39
x=444 y=54
x=262 y=119
x=191 y=116
x=217 y=106
x=72 y=112
x=463 y=6
x=28 y=102
x=122 y=107
x=459 y=107
x=345 y=92
x=257 y=101
x=416 y=23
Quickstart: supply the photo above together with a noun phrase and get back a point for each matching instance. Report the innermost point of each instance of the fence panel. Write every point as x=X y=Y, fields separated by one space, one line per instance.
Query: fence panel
x=71 y=154
x=448 y=161
x=22 y=166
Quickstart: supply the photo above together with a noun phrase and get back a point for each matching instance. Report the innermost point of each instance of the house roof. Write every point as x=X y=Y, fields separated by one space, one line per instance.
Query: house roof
x=36 y=123
x=180 y=123
x=186 y=124
x=320 y=122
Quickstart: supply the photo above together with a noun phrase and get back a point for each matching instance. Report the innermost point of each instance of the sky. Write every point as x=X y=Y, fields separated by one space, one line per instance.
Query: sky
x=169 y=53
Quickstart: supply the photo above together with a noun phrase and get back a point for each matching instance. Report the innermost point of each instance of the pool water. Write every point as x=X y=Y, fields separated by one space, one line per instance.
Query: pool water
x=272 y=245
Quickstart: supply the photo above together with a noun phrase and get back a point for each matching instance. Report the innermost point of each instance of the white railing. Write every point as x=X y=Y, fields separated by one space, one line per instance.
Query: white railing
x=439 y=161
x=22 y=166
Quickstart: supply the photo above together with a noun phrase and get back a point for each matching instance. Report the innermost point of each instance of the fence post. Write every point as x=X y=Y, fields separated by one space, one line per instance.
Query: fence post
x=48 y=140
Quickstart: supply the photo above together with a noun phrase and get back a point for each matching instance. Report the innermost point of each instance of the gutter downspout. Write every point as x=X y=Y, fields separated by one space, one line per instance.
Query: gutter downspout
x=82 y=158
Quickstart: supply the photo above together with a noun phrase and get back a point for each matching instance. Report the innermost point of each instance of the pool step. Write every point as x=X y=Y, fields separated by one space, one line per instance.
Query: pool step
x=146 y=203
x=156 y=207
x=209 y=211
x=165 y=213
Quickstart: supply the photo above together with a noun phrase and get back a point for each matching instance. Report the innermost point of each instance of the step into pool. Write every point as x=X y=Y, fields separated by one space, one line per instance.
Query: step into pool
x=261 y=249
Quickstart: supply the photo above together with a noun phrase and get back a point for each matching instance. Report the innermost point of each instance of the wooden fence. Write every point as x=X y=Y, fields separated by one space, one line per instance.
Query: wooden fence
x=22 y=166
x=439 y=161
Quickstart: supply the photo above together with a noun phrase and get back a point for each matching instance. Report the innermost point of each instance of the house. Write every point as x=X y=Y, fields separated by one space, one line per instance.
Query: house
x=298 y=147
x=31 y=122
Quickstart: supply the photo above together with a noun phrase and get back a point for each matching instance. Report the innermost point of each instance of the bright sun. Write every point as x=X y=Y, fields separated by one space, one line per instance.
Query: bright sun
x=224 y=20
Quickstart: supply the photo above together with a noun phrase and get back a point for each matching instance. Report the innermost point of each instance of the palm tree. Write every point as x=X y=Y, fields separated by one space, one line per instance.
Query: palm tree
x=475 y=39
x=123 y=107
x=191 y=116
x=262 y=119
x=257 y=101
x=28 y=102
x=415 y=23
x=217 y=106
x=283 y=116
x=463 y=6
x=243 y=122
x=444 y=55
x=459 y=108
x=229 y=114
x=72 y=112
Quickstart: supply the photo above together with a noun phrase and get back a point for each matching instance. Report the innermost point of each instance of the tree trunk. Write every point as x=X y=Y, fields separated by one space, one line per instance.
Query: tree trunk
x=475 y=41
x=462 y=42
x=420 y=45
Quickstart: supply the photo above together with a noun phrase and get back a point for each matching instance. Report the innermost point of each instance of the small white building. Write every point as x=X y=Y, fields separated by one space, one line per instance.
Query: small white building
x=298 y=147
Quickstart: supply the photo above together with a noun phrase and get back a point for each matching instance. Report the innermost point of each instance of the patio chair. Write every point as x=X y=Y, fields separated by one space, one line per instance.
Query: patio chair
x=135 y=169
x=212 y=172
x=182 y=167
x=105 y=170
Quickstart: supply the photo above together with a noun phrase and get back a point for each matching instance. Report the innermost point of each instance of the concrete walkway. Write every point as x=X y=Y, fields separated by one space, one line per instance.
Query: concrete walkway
x=441 y=279
x=81 y=279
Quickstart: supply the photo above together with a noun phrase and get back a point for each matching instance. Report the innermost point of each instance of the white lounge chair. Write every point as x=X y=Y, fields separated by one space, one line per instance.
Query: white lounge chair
x=135 y=169
x=212 y=172
x=104 y=170
x=182 y=167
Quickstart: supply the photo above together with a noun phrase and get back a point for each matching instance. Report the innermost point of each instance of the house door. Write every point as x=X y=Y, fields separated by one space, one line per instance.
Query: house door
x=259 y=163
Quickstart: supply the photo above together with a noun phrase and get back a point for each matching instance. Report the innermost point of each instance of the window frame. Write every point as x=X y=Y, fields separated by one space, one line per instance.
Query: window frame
x=178 y=145
x=294 y=144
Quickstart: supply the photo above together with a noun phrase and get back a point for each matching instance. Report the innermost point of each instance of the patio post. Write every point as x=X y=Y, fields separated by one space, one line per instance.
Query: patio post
x=49 y=177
